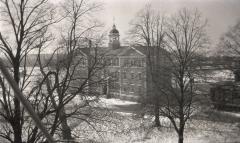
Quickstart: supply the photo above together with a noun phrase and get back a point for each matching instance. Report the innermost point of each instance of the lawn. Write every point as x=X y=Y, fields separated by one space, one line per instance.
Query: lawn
x=123 y=126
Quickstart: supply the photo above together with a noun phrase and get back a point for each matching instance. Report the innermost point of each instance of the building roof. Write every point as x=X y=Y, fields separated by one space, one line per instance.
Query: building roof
x=153 y=50
x=114 y=30
x=121 y=51
x=131 y=51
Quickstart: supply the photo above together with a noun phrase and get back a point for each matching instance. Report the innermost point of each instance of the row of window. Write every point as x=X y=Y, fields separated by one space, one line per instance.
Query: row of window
x=134 y=62
x=126 y=75
x=82 y=62
x=132 y=89
x=129 y=62
x=113 y=62
x=126 y=88
x=114 y=85
x=114 y=75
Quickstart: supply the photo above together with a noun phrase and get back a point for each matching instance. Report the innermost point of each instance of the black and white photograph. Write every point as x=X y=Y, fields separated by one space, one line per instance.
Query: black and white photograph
x=119 y=71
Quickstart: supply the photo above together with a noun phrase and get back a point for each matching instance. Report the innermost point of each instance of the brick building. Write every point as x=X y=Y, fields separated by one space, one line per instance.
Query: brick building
x=127 y=73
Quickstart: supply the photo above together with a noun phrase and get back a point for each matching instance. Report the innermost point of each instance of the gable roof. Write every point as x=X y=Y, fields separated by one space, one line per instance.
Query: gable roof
x=132 y=51
x=145 y=49
x=121 y=51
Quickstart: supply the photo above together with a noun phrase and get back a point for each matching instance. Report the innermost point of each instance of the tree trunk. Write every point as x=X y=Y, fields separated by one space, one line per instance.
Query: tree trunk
x=180 y=136
x=17 y=127
x=181 y=130
x=66 y=131
x=156 y=114
x=107 y=90
x=17 y=132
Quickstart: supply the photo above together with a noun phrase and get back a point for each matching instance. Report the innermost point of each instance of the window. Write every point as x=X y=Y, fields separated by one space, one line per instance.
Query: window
x=124 y=75
x=115 y=85
x=132 y=88
x=132 y=63
x=83 y=62
x=132 y=75
x=140 y=63
x=136 y=62
x=116 y=62
x=139 y=89
x=126 y=62
x=143 y=63
x=125 y=89
x=117 y=74
x=112 y=62
x=109 y=63
x=139 y=76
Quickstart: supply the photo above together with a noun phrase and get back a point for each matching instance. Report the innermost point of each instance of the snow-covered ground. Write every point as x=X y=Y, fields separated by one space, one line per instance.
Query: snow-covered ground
x=121 y=126
x=122 y=107
x=219 y=75
x=114 y=101
x=124 y=127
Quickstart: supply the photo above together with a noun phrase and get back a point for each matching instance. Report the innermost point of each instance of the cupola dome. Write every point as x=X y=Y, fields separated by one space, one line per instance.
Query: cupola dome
x=114 y=30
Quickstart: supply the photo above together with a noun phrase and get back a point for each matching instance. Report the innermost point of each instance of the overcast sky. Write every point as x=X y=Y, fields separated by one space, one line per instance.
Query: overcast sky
x=220 y=13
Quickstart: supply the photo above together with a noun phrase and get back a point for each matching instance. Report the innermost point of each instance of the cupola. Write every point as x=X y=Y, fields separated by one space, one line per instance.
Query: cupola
x=114 y=38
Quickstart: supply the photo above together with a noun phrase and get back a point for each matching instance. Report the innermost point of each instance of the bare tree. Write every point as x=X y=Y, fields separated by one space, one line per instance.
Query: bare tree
x=229 y=46
x=80 y=28
x=26 y=28
x=51 y=82
x=186 y=38
x=148 y=30
x=70 y=82
x=78 y=65
x=230 y=41
x=173 y=48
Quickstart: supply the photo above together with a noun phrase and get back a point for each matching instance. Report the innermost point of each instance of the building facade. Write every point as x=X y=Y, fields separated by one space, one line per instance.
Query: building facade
x=127 y=72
